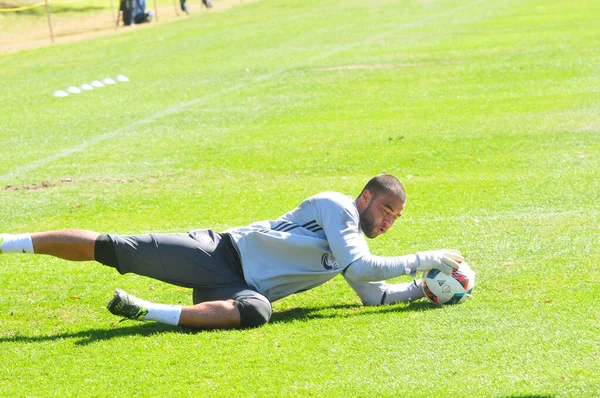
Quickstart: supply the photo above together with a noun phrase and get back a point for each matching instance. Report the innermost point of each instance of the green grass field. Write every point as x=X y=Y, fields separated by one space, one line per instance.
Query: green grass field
x=487 y=111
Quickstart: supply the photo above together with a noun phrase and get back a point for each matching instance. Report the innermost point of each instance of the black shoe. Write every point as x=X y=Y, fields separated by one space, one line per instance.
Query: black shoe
x=128 y=306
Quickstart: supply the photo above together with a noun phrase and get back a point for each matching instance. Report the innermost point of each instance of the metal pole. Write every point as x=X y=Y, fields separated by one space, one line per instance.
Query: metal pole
x=112 y=10
x=175 y=5
x=155 y=11
x=49 y=22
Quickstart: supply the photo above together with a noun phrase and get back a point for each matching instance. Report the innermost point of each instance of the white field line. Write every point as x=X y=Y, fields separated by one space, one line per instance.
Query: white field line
x=184 y=105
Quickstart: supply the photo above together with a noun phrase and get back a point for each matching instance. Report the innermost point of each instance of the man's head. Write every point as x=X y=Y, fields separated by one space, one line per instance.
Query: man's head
x=379 y=204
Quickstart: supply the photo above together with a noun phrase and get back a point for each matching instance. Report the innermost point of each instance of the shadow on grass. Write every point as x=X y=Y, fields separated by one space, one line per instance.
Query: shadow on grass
x=90 y=336
x=344 y=311
x=86 y=337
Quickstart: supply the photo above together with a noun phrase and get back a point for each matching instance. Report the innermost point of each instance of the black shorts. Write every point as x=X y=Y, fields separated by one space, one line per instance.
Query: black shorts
x=203 y=260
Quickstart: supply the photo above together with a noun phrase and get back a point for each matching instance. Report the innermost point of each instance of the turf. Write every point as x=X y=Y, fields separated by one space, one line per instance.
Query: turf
x=487 y=111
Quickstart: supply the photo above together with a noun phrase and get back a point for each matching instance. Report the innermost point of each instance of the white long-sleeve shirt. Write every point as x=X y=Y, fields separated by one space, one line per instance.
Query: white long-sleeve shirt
x=308 y=246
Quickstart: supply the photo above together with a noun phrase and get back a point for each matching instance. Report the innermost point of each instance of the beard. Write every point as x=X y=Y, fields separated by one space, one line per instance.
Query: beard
x=367 y=223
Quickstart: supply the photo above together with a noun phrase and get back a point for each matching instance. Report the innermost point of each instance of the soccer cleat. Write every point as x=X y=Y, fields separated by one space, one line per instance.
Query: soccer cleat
x=128 y=306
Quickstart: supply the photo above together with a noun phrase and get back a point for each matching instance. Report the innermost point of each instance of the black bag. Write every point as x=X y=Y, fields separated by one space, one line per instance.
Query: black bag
x=134 y=12
x=127 y=7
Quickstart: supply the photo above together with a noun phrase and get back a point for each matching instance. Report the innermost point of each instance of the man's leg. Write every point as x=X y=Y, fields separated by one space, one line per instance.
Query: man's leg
x=72 y=244
x=204 y=260
x=211 y=315
x=254 y=309
x=220 y=314
x=220 y=308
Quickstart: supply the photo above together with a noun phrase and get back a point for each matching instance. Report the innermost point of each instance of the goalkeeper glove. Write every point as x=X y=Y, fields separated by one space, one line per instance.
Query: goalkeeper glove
x=445 y=260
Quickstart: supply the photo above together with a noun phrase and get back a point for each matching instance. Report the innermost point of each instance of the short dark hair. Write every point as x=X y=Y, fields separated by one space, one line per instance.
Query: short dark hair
x=385 y=183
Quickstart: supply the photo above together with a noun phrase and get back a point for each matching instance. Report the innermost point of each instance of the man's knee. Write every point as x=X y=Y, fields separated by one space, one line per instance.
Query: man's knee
x=255 y=310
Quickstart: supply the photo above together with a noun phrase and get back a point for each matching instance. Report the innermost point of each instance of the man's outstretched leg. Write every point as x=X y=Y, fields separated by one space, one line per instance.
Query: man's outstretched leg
x=209 y=315
x=245 y=309
x=69 y=244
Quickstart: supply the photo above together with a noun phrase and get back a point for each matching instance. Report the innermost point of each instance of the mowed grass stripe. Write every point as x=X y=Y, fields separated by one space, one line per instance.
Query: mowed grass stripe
x=175 y=109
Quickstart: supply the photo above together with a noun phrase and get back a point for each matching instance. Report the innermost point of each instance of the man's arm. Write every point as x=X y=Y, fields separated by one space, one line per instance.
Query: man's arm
x=339 y=218
x=376 y=268
x=379 y=293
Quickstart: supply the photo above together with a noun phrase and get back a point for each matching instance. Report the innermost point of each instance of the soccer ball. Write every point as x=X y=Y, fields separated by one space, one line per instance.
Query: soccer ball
x=449 y=289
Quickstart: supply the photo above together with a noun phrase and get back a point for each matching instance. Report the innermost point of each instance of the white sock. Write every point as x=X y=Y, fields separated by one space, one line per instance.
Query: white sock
x=20 y=243
x=163 y=313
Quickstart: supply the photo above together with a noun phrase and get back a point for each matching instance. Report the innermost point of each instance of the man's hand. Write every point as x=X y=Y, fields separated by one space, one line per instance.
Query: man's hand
x=445 y=260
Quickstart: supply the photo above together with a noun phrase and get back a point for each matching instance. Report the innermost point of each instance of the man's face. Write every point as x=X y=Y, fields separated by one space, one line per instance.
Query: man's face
x=378 y=213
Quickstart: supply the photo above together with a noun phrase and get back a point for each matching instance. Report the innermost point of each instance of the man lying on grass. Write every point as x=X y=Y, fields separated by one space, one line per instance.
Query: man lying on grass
x=236 y=274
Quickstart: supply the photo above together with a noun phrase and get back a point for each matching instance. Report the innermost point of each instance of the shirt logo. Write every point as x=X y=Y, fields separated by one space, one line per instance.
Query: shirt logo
x=328 y=261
